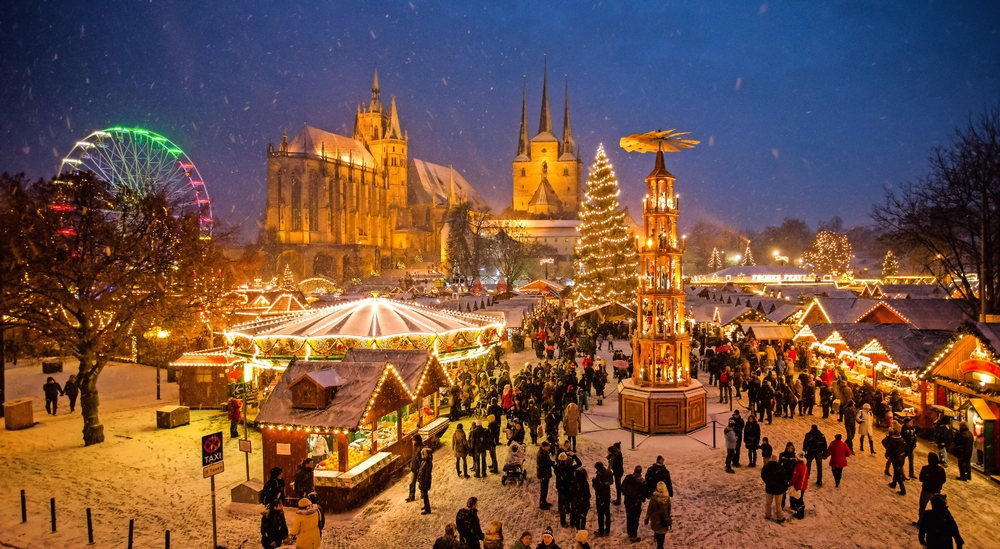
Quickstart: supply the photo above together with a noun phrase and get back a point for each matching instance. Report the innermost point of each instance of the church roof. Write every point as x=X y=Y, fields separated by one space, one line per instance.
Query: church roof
x=431 y=184
x=544 y=136
x=545 y=195
x=314 y=141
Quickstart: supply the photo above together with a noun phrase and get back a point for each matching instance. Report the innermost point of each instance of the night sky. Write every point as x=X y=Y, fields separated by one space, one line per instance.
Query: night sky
x=804 y=109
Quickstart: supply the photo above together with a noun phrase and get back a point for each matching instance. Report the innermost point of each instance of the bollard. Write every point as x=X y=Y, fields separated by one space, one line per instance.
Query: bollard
x=632 y=422
x=24 y=508
x=713 y=433
x=52 y=509
x=730 y=389
x=90 y=528
x=166 y=539
x=131 y=532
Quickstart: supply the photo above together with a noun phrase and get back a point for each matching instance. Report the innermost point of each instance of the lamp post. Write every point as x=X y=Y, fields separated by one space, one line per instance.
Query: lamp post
x=159 y=334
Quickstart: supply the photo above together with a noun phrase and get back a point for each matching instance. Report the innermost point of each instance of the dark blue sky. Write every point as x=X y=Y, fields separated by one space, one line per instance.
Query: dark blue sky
x=803 y=108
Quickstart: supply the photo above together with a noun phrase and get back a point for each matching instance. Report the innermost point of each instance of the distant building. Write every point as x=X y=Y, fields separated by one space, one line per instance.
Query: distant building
x=345 y=207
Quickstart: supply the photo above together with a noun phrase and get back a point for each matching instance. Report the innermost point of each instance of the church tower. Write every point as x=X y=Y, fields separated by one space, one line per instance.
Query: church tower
x=547 y=175
x=379 y=130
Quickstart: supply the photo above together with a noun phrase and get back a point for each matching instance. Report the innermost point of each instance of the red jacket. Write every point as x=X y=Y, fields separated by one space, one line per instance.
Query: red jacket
x=234 y=407
x=800 y=477
x=838 y=452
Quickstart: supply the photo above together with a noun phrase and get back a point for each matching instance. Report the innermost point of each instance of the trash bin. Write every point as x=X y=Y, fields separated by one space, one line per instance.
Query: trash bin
x=17 y=414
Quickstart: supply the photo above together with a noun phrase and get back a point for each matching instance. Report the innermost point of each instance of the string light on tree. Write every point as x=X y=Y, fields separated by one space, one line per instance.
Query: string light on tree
x=748 y=257
x=890 y=265
x=605 y=257
x=829 y=253
x=715 y=261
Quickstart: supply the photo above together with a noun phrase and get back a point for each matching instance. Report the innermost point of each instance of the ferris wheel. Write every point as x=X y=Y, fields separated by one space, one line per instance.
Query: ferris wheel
x=141 y=162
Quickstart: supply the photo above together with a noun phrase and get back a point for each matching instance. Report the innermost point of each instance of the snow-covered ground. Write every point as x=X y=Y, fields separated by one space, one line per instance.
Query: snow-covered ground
x=154 y=476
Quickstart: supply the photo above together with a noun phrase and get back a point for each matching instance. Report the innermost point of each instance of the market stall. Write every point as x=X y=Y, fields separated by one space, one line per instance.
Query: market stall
x=354 y=418
x=204 y=377
x=964 y=376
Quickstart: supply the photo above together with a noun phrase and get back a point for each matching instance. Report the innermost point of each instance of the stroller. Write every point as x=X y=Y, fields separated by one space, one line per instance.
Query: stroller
x=513 y=470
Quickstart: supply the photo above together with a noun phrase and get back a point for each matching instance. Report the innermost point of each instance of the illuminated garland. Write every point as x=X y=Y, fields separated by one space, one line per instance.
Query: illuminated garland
x=605 y=258
x=715 y=261
x=890 y=265
x=748 y=257
x=829 y=253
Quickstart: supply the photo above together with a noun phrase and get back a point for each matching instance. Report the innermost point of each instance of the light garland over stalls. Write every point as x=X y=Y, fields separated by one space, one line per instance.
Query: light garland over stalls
x=605 y=257
x=389 y=370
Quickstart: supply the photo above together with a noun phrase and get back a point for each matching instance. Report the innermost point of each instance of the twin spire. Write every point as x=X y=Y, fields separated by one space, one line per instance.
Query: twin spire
x=545 y=120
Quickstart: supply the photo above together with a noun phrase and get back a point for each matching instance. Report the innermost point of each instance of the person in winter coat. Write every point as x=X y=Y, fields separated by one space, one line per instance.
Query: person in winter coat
x=765 y=401
x=523 y=542
x=938 y=528
x=825 y=399
x=616 y=462
x=603 y=479
x=274 y=488
x=449 y=540
x=571 y=422
x=579 y=503
x=460 y=445
x=467 y=523
x=849 y=415
x=775 y=485
x=565 y=470
x=658 y=514
x=866 y=424
x=909 y=433
x=543 y=470
x=52 y=393
x=418 y=445
x=304 y=478
x=814 y=446
x=580 y=540
x=751 y=439
x=493 y=440
x=838 y=452
x=273 y=529
x=738 y=426
x=895 y=452
x=964 y=444
x=943 y=436
x=234 y=410
x=477 y=443
x=72 y=390
x=731 y=444
x=305 y=526
x=634 y=492
x=656 y=473
x=493 y=535
x=932 y=479
x=424 y=478
x=797 y=486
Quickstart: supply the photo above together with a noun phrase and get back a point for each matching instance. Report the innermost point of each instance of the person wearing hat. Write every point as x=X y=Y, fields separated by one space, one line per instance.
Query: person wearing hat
x=565 y=470
x=634 y=490
x=305 y=526
x=866 y=422
x=548 y=541
x=895 y=454
x=797 y=486
x=580 y=540
x=448 y=540
x=274 y=488
x=418 y=445
x=523 y=542
x=658 y=514
x=467 y=522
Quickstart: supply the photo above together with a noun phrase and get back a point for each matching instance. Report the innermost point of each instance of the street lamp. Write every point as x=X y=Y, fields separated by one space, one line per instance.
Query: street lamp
x=160 y=334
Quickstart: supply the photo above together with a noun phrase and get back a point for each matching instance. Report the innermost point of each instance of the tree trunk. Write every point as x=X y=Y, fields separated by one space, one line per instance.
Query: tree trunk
x=90 y=369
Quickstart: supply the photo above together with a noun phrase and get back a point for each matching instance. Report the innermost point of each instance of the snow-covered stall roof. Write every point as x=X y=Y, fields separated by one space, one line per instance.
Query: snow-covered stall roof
x=908 y=348
x=923 y=314
x=767 y=330
x=217 y=357
x=347 y=409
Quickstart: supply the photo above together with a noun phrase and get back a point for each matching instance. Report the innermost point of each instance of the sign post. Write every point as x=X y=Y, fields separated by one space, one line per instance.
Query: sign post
x=212 y=463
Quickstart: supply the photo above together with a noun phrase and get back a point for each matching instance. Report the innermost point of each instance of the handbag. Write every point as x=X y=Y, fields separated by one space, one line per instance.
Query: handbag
x=797 y=494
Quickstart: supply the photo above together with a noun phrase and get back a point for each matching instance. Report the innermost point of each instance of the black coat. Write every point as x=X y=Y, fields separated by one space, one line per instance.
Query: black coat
x=565 y=471
x=616 y=462
x=424 y=473
x=467 y=524
x=895 y=449
x=751 y=435
x=814 y=443
x=478 y=439
x=304 y=481
x=71 y=389
x=658 y=473
x=787 y=461
x=964 y=444
x=415 y=457
x=543 y=464
x=938 y=528
x=579 y=499
x=603 y=479
x=634 y=490
x=273 y=489
x=52 y=391
x=273 y=529
x=774 y=479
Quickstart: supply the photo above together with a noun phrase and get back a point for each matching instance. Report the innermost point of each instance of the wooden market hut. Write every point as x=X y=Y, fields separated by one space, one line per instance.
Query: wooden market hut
x=964 y=376
x=203 y=377
x=355 y=423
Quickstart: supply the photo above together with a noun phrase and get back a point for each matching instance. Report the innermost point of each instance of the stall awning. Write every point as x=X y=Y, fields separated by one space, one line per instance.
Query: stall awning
x=965 y=390
x=983 y=409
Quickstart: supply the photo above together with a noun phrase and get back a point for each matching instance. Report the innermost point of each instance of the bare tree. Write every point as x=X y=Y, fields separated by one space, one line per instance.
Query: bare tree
x=947 y=220
x=96 y=263
x=13 y=201
x=511 y=251
x=468 y=237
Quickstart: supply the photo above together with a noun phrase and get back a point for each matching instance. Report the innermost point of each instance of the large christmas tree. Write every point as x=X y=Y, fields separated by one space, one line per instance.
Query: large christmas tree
x=606 y=262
